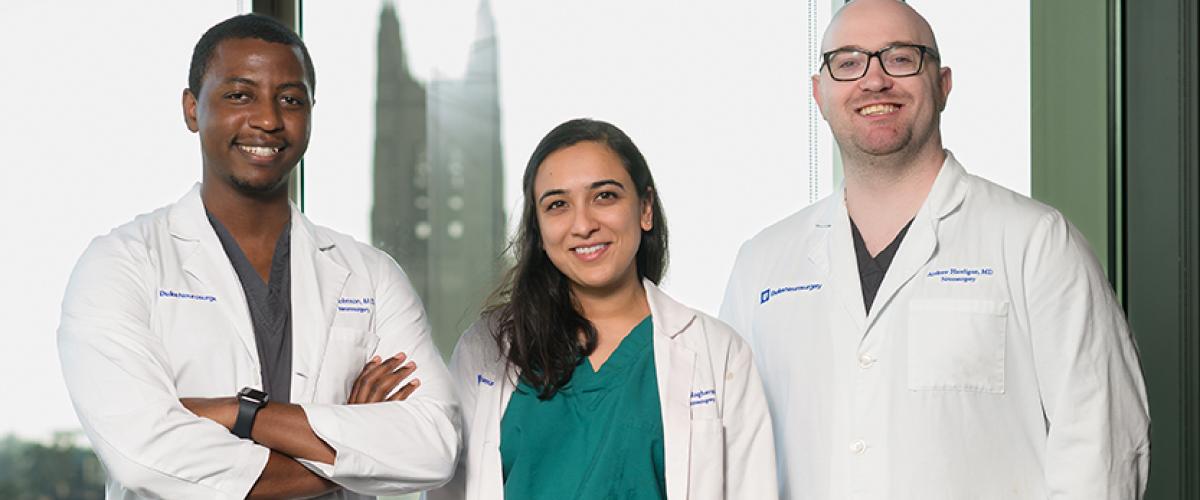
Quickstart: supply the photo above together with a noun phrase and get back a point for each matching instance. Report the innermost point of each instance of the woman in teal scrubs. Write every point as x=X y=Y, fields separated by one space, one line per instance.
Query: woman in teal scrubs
x=562 y=380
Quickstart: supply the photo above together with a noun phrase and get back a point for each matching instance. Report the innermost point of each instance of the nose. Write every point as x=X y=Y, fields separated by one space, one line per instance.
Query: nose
x=265 y=116
x=876 y=80
x=584 y=223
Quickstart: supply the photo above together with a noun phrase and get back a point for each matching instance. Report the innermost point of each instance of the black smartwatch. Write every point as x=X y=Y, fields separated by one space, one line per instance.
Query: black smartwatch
x=250 y=400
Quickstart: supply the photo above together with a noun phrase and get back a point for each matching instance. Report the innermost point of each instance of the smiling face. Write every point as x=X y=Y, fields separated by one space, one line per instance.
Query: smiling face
x=880 y=115
x=590 y=216
x=253 y=115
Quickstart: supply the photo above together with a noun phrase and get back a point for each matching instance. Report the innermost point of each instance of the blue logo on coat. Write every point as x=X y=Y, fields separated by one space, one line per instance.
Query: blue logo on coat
x=172 y=294
x=766 y=294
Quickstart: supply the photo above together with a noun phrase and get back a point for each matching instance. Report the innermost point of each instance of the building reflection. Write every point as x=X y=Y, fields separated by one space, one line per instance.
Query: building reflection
x=438 y=177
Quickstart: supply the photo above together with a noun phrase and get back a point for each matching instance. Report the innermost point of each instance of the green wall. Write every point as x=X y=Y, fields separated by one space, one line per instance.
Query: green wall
x=1073 y=114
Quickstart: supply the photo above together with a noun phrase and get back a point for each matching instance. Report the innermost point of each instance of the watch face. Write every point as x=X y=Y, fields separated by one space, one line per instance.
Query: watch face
x=254 y=395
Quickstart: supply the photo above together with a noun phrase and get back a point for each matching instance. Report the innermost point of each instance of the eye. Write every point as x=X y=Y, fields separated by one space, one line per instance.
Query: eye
x=607 y=196
x=292 y=100
x=555 y=205
x=847 y=63
x=237 y=96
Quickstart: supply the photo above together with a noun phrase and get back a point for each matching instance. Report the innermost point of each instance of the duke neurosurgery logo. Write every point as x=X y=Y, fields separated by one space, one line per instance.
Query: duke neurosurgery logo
x=766 y=294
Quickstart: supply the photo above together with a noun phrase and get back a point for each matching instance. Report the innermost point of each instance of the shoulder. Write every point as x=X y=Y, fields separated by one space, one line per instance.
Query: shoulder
x=348 y=247
x=698 y=331
x=719 y=334
x=360 y=258
x=791 y=230
x=773 y=249
x=988 y=199
x=134 y=243
x=117 y=271
x=477 y=346
x=1018 y=219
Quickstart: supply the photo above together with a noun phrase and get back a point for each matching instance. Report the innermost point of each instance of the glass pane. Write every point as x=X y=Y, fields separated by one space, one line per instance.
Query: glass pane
x=93 y=135
x=427 y=112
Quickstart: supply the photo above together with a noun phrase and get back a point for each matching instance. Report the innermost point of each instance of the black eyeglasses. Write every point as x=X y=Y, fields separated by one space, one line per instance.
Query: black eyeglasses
x=847 y=65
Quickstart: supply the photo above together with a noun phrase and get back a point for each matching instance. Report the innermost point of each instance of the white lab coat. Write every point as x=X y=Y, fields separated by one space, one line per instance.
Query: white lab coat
x=154 y=312
x=995 y=362
x=715 y=445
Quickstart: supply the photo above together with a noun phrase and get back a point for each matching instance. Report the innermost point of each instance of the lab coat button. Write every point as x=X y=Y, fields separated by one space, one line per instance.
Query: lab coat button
x=865 y=361
x=858 y=447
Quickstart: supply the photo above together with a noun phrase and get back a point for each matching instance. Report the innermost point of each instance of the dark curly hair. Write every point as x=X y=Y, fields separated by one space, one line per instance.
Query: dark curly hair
x=537 y=322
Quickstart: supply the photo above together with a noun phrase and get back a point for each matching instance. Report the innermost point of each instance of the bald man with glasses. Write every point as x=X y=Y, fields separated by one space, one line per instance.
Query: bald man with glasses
x=923 y=333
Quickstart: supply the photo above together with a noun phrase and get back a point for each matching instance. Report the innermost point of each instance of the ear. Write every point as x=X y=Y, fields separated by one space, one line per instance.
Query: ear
x=816 y=92
x=647 y=217
x=189 y=111
x=945 y=81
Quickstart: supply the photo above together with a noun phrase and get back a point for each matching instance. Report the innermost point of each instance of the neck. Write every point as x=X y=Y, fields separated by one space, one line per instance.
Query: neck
x=883 y=194
x=621 y=302
x=245 y=216
x=893 y=186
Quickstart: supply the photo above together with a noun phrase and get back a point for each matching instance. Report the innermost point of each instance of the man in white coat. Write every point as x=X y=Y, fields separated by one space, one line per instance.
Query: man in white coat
x=226 y=347
x=924 y=333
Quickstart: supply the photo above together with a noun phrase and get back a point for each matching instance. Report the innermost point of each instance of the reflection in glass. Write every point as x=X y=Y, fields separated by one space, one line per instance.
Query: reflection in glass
x=438 y=177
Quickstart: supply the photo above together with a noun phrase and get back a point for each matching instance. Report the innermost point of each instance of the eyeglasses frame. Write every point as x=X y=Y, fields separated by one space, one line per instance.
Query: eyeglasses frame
x=924 y=49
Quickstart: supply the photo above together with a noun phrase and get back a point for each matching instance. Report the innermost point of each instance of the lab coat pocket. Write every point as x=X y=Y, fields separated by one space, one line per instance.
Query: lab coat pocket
x=346 y=354
x=957 y=345
x=706 y=477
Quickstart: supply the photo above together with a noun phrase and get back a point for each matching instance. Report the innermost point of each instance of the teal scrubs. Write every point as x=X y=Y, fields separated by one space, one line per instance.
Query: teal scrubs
x=599 y=437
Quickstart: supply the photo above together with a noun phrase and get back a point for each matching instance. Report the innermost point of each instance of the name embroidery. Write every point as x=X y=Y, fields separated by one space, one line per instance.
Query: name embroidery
x=356 y=305
x=961 y=274
x=704 y=397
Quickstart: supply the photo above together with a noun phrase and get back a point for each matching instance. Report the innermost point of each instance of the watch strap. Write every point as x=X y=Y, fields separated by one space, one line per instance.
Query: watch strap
x=247 y=410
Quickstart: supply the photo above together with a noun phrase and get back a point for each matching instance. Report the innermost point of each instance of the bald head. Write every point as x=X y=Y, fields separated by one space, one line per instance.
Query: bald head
x=879 y=22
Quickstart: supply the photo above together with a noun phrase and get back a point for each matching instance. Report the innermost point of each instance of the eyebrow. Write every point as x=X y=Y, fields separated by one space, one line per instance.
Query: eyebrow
x=293 y=85
x=888 y=44
x=240 y=79
x=283 y=86
x=593 y=186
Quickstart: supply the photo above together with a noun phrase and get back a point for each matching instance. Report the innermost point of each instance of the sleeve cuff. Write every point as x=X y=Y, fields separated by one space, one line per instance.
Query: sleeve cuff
x=325 y=425
x=245 y=472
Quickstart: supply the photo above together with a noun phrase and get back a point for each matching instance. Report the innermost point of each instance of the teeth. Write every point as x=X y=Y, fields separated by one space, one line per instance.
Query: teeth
x=590 y=250
x=259 y=150
x=878 y=109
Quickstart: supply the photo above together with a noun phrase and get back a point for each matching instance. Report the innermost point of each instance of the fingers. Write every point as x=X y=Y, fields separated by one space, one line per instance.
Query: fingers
x=360 y=383
x=379 y=377
x=406 y=391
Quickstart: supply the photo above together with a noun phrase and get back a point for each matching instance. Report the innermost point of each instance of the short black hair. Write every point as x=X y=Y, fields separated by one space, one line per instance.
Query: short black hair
x=240 y=27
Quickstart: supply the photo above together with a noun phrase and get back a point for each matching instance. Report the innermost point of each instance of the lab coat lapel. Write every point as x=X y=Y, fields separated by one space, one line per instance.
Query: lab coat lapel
x=843 y=265
x=920 y=243
x=317 y=283
x=674 y=364
x=493 y=462
x=204 y=259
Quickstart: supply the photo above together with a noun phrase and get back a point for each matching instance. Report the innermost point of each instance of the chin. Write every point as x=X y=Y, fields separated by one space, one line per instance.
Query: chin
x=258 y=187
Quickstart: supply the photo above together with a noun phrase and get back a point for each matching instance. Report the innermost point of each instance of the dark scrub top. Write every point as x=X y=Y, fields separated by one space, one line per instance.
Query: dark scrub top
x=872 y=269
x=270 y=308
x=599 y=437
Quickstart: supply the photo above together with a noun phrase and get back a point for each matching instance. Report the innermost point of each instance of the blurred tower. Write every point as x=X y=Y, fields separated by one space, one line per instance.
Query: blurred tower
x=400 y=214
x=439 y=206
x=466 y=190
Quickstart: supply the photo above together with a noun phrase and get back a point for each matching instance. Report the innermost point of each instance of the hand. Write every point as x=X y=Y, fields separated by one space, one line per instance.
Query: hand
x=379 y=377
x=220 y=410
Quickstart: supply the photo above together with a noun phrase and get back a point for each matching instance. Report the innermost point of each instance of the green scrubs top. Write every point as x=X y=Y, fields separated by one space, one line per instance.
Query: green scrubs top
x=599 y=437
